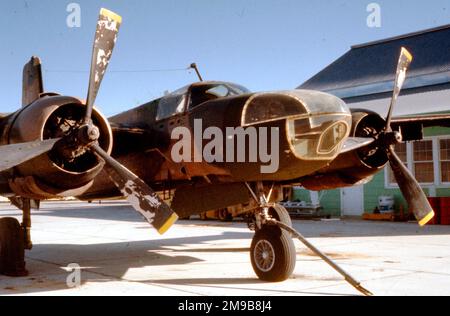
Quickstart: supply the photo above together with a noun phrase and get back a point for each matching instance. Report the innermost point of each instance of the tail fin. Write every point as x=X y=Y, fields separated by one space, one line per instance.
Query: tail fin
x=32 y=84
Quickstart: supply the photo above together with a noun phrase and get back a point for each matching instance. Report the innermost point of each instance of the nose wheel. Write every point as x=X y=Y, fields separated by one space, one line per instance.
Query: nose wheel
x=272 y=254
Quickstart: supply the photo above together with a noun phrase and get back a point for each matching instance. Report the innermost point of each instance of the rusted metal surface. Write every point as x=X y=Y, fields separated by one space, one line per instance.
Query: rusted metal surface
x=46 y=115
x=192 y=200
x=31 y=188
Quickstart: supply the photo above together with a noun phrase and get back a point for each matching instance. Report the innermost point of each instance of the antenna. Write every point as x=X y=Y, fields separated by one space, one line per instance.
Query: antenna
x=194 y=66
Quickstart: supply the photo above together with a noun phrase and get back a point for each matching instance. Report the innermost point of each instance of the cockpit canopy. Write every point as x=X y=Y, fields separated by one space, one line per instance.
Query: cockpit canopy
x=194 y=95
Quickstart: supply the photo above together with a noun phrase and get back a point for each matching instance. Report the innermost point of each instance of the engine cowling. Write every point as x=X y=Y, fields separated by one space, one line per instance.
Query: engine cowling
x=52 y=174
x=355 y=167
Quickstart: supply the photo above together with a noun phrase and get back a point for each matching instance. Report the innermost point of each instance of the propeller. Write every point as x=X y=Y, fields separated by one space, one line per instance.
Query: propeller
x=85 y=136
x=410 y=188
x=139 y=194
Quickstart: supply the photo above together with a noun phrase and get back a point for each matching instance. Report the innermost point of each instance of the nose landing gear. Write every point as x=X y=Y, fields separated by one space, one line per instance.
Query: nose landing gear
x=273 y=254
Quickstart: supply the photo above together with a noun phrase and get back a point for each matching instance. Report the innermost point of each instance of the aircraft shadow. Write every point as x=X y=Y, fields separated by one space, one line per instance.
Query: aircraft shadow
x=104 y=262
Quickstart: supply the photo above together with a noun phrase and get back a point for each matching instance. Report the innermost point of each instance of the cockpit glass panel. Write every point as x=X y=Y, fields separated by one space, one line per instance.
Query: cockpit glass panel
x=318 y=137
x=171 y=105
x=271 y=106
x=175 y=102
x=220 y=91
x=211 y=91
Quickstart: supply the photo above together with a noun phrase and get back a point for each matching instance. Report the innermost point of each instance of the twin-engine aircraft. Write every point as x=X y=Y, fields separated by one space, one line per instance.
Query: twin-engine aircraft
x=214 y=144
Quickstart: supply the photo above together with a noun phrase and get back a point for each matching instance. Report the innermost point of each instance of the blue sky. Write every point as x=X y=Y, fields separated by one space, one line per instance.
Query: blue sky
x=264 y=44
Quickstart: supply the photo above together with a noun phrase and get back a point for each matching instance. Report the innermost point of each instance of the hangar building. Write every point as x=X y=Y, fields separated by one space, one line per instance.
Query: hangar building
x=364 y=78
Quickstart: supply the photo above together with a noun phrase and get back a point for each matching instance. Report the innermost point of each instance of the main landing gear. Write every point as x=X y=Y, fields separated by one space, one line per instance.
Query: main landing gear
x=15 y=239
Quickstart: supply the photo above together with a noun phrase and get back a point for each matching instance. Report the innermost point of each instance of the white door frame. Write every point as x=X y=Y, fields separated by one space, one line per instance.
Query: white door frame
x=361 y=193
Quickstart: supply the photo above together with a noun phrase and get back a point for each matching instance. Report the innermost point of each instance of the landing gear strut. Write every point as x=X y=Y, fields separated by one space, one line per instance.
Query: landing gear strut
x=26 y=223
x=15 y=239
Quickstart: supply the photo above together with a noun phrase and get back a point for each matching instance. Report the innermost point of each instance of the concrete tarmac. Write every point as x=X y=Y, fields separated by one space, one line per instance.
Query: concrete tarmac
x=120 y=254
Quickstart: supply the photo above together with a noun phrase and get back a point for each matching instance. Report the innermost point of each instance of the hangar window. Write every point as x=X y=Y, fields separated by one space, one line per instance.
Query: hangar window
x=423 y=161
x=428 y=160
x=444 y=145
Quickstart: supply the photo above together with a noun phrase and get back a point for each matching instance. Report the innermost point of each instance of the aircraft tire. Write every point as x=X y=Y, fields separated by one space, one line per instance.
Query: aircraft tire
x=225 y=216
x=273 y=255
x=12 y=248
x=280 y=213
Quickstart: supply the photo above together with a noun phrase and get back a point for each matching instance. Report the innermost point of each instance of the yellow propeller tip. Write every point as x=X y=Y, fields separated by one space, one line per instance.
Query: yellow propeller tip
x=408 y=55
x=113 y=16
x=426 y=219
x=164 y=228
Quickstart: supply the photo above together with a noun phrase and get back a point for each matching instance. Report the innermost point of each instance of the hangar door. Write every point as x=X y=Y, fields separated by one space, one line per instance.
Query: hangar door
x=352 y=201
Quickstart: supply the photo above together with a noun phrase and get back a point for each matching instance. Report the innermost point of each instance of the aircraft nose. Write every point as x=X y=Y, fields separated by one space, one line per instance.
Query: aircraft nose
x=319 y=137
x=274 y=106
x=320 y=134
x=317 y=123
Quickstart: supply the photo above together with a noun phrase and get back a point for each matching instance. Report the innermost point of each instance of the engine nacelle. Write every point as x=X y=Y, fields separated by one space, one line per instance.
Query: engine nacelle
x=51 y=175
x=355 y=167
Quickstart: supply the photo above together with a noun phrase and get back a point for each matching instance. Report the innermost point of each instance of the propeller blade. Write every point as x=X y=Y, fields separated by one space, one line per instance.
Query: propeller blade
x=108 y=26
x=403 y=64
x=411 y=190
x=353 y=143
x=16 y=154
x=138 y=193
